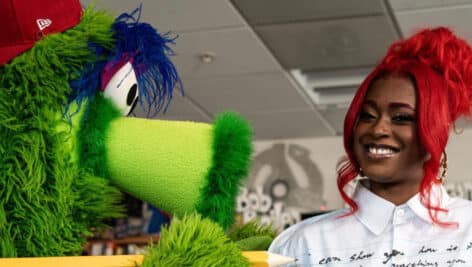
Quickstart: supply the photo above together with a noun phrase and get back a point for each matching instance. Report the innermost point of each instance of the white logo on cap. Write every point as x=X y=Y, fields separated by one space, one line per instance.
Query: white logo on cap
x=43 y=23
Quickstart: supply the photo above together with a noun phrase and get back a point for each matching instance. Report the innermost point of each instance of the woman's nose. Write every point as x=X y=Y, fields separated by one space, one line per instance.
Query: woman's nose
x=381 y=128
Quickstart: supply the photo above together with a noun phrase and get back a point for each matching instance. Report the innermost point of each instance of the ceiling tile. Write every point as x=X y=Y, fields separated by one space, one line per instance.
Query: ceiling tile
x=399 y=5
x=178 y=15
x=282 y=125
x=235 y=50
x=252 y=93
x=180 y=108
x=457 y=18
x=335 y=117
x=282 y=11
x=341 y=43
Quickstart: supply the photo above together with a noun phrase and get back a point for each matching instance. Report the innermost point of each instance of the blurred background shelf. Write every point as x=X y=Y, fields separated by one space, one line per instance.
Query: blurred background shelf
x=120 y=246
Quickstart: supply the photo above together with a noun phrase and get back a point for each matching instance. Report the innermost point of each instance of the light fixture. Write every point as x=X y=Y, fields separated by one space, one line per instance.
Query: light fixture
x=207 y=57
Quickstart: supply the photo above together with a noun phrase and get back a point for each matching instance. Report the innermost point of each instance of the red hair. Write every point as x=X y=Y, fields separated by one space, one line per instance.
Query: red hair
x=440 y=65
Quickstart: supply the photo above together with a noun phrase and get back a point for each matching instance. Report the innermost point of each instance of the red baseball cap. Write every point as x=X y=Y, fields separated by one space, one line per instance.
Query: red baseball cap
x=24 y=22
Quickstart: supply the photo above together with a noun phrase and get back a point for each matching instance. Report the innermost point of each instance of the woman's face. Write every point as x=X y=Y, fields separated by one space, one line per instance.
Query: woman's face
x=386 y=145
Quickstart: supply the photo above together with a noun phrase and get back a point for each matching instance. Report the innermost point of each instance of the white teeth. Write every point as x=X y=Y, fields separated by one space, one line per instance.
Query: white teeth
x=380 y=151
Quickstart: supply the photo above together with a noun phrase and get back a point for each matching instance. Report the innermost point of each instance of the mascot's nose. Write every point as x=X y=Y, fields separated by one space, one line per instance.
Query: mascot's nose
x=181 y=166
x=161 y=162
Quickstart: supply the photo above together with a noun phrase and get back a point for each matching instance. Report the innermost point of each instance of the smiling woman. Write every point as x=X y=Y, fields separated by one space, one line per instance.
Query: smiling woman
x=395 y=134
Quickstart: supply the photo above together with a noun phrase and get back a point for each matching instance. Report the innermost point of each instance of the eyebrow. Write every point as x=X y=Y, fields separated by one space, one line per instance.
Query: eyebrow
x=391 y=105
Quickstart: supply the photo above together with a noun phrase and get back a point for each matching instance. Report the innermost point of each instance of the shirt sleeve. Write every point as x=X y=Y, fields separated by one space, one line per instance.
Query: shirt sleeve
x=294 y=242
x=291 y=243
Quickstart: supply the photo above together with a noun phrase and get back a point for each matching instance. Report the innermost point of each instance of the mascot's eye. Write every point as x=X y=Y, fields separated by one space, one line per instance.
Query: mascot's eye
x=132 y=94
x=122 y=89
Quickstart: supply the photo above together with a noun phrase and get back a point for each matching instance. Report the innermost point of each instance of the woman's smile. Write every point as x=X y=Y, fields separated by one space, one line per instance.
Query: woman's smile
x=380 y=151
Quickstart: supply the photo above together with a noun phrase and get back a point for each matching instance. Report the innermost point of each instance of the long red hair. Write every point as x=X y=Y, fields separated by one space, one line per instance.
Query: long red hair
x=440 y=65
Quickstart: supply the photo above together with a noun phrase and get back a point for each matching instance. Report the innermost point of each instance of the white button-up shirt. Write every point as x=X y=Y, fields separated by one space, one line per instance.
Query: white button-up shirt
x=382 y=234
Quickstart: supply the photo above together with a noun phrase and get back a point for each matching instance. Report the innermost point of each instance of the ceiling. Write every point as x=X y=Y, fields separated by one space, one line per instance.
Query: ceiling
x=289 y=67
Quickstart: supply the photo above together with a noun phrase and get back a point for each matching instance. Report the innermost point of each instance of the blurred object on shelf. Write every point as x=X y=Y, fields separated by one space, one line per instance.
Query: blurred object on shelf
x=129 y=235
x=122 y=246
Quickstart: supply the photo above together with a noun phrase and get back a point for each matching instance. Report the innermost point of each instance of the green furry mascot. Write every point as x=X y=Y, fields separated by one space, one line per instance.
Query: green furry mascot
x=68 y=78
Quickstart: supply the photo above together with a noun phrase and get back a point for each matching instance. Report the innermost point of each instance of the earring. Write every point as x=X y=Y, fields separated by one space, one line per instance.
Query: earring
x=444 y=167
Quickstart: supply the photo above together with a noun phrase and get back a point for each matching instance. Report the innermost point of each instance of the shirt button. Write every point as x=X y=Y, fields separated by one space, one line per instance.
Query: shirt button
x=400 y=212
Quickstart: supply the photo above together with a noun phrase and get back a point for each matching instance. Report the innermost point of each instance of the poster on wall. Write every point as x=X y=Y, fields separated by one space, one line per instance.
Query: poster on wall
x=284 y=186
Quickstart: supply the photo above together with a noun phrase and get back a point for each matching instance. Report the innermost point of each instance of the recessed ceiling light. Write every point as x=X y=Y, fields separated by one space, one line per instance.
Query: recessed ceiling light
x=207 y=57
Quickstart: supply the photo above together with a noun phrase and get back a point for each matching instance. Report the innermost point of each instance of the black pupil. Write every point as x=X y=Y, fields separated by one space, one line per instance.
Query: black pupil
x=131 y=94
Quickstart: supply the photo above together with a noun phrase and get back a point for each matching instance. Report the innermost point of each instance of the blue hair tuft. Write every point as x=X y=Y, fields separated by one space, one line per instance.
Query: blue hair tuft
x=155 y=73
x=85 y=88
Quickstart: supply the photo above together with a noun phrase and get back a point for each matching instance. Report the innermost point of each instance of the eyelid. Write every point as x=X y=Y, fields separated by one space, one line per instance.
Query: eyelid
x=404 y=114
x=404 y=117
x=365 y=115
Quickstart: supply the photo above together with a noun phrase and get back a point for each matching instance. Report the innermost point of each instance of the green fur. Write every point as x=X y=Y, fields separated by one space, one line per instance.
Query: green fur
x=255 y=243
x=252 y=235
x=232 y=150
x=47 y=204
x=94 y=125
x=162 y=162
x=193 y=241
x=249 y=229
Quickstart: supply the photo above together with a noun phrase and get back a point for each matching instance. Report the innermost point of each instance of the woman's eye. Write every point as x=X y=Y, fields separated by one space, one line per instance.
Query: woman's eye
x=366 y=116
x=404 y=118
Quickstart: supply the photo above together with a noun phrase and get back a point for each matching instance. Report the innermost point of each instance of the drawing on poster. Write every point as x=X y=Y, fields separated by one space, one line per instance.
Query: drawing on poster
x=284 y=183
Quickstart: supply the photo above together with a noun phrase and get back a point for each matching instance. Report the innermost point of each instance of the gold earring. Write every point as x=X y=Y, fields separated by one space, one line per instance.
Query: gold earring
x=444 y=167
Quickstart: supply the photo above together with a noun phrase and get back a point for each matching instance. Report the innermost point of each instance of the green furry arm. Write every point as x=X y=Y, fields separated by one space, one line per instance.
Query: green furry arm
x=231 y=158
x=194 y=241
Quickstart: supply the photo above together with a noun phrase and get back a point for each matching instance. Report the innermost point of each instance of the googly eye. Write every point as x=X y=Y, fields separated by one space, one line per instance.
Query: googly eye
x=122 y=89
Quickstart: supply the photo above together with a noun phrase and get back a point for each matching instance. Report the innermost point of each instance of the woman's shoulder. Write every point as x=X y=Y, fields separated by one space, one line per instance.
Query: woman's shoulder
x=296 y=232
x=459 y=203
x=459 y=208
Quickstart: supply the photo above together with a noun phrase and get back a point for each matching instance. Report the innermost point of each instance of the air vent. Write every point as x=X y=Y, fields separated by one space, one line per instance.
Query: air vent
x=334 y=89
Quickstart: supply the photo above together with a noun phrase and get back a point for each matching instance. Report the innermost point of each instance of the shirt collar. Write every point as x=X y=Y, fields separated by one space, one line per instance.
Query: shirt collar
x=376 y=213
x=439 y=197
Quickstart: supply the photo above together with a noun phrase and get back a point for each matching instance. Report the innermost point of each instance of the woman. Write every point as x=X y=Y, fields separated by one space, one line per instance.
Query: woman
x=395 y=134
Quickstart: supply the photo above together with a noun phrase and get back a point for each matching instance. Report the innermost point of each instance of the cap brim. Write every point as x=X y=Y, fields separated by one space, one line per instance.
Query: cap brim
x=10 y=52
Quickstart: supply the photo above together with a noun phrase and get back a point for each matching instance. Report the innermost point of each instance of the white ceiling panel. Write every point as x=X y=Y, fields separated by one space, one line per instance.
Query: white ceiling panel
x=400 y=5
x=279 y=125
x=455 y=17
x=341 y=43
x=180 y=108
x=335 y=116
x=253 y=93
x=283 y=11
x=235 y=50
x=178 y=15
